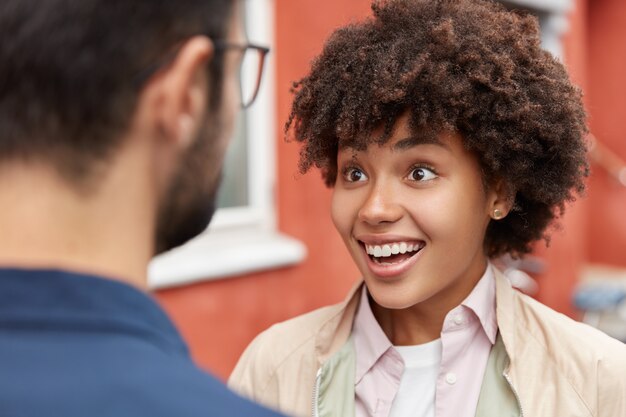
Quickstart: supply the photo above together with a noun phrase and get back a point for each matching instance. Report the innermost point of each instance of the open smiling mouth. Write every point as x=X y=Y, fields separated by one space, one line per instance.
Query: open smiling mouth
x=392 y=253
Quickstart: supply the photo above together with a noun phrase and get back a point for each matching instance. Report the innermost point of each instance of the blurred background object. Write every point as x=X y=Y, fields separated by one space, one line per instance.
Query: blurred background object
x=517 y=272
x=273 y=252
x=601 y=295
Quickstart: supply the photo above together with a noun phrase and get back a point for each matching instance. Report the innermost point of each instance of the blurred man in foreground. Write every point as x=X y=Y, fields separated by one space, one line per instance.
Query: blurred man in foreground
x=114 y=120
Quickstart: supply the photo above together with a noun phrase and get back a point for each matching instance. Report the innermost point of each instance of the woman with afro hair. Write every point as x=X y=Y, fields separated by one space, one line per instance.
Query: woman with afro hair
x=449 y=138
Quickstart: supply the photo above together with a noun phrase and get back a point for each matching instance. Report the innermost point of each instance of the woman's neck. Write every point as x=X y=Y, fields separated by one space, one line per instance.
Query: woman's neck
x=423 y=322
x=411 y=326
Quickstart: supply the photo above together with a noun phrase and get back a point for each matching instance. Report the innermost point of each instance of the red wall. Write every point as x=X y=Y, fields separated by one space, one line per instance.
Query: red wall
x=220 y=318
x=607 y=101
x=567 y=251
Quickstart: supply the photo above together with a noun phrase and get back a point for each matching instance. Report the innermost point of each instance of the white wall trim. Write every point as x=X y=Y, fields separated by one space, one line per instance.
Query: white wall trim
x=226 y=254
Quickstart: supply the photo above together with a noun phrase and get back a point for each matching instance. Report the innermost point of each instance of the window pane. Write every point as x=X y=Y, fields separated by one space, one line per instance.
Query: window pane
x=234 y=189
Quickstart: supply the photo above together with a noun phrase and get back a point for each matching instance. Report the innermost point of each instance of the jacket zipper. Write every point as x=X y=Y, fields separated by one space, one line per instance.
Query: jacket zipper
x=519 y=403
x=316 y=392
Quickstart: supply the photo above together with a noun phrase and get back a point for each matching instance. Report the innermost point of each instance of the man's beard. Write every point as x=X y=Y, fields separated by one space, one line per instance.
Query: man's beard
x=190 y=203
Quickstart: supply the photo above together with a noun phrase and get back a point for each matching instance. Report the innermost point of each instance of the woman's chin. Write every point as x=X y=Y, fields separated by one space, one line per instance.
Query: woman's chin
x=392 y=298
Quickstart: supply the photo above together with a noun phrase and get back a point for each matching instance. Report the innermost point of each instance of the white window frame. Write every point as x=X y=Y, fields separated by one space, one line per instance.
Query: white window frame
x=241 y=240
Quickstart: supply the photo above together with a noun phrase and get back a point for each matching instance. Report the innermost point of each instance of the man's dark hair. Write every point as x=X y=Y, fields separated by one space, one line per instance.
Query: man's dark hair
x=468 y=66
x=70 y=71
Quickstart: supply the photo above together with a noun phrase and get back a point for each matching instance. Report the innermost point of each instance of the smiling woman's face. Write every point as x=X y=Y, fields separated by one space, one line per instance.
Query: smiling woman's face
x=413 y=215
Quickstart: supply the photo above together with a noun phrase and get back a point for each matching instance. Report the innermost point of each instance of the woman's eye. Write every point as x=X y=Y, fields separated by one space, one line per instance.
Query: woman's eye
x=354 y=175
x=422 y=174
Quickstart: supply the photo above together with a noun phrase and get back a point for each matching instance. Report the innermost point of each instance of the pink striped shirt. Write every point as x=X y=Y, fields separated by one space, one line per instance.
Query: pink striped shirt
x=468 y=333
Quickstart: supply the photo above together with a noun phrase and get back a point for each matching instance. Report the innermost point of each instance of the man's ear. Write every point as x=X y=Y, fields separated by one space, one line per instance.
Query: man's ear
x=178 y=93
x=501 y=199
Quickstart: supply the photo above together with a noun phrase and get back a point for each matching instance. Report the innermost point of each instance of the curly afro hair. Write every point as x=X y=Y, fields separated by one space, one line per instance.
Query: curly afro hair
x=469 y=66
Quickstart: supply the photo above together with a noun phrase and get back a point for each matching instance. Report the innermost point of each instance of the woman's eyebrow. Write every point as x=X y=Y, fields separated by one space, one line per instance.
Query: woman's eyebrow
x=413 y=141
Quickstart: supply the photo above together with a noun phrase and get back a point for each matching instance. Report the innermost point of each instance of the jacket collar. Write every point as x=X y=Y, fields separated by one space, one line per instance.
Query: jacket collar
x=334 y=333
x=505 y=312
x=513 y=323
x=75 y=302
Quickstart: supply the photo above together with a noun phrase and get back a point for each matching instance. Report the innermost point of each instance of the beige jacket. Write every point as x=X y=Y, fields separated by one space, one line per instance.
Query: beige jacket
x=557 y=367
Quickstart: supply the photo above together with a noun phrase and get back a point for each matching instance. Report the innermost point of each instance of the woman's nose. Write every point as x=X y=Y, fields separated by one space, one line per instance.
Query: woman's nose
x=381 y=206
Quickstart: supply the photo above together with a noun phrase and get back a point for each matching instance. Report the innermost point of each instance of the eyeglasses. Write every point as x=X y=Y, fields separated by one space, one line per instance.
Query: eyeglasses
x=250 y=69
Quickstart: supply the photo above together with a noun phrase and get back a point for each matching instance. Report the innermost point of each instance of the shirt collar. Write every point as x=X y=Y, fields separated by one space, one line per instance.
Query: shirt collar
x=482 y=302
x=371 y=342
x=68 y=301
x=369 y=339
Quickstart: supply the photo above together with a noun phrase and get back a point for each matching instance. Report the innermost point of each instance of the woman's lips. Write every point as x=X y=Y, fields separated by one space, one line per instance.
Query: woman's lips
x=392 y=266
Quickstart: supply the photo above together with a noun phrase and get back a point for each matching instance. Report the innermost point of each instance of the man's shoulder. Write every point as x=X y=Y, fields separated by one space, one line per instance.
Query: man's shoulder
x=187 y=390
x=160 y=383
x=163 y=388
x=80 y=367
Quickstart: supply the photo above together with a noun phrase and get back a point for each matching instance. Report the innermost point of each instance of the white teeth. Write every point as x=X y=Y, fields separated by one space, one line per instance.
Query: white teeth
x=403 y=247
x=385 y=251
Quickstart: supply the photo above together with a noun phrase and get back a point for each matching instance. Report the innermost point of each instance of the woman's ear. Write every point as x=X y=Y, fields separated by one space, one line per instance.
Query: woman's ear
x=501 y=199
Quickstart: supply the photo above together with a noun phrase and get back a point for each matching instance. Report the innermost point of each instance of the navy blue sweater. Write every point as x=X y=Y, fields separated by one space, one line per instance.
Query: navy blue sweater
x=74 y=345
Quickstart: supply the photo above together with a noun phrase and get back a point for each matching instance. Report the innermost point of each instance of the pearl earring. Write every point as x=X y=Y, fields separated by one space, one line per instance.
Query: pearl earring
x=497 y=214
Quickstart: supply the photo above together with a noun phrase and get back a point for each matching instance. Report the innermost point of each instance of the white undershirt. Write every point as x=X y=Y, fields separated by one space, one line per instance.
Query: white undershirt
x=416 y=395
